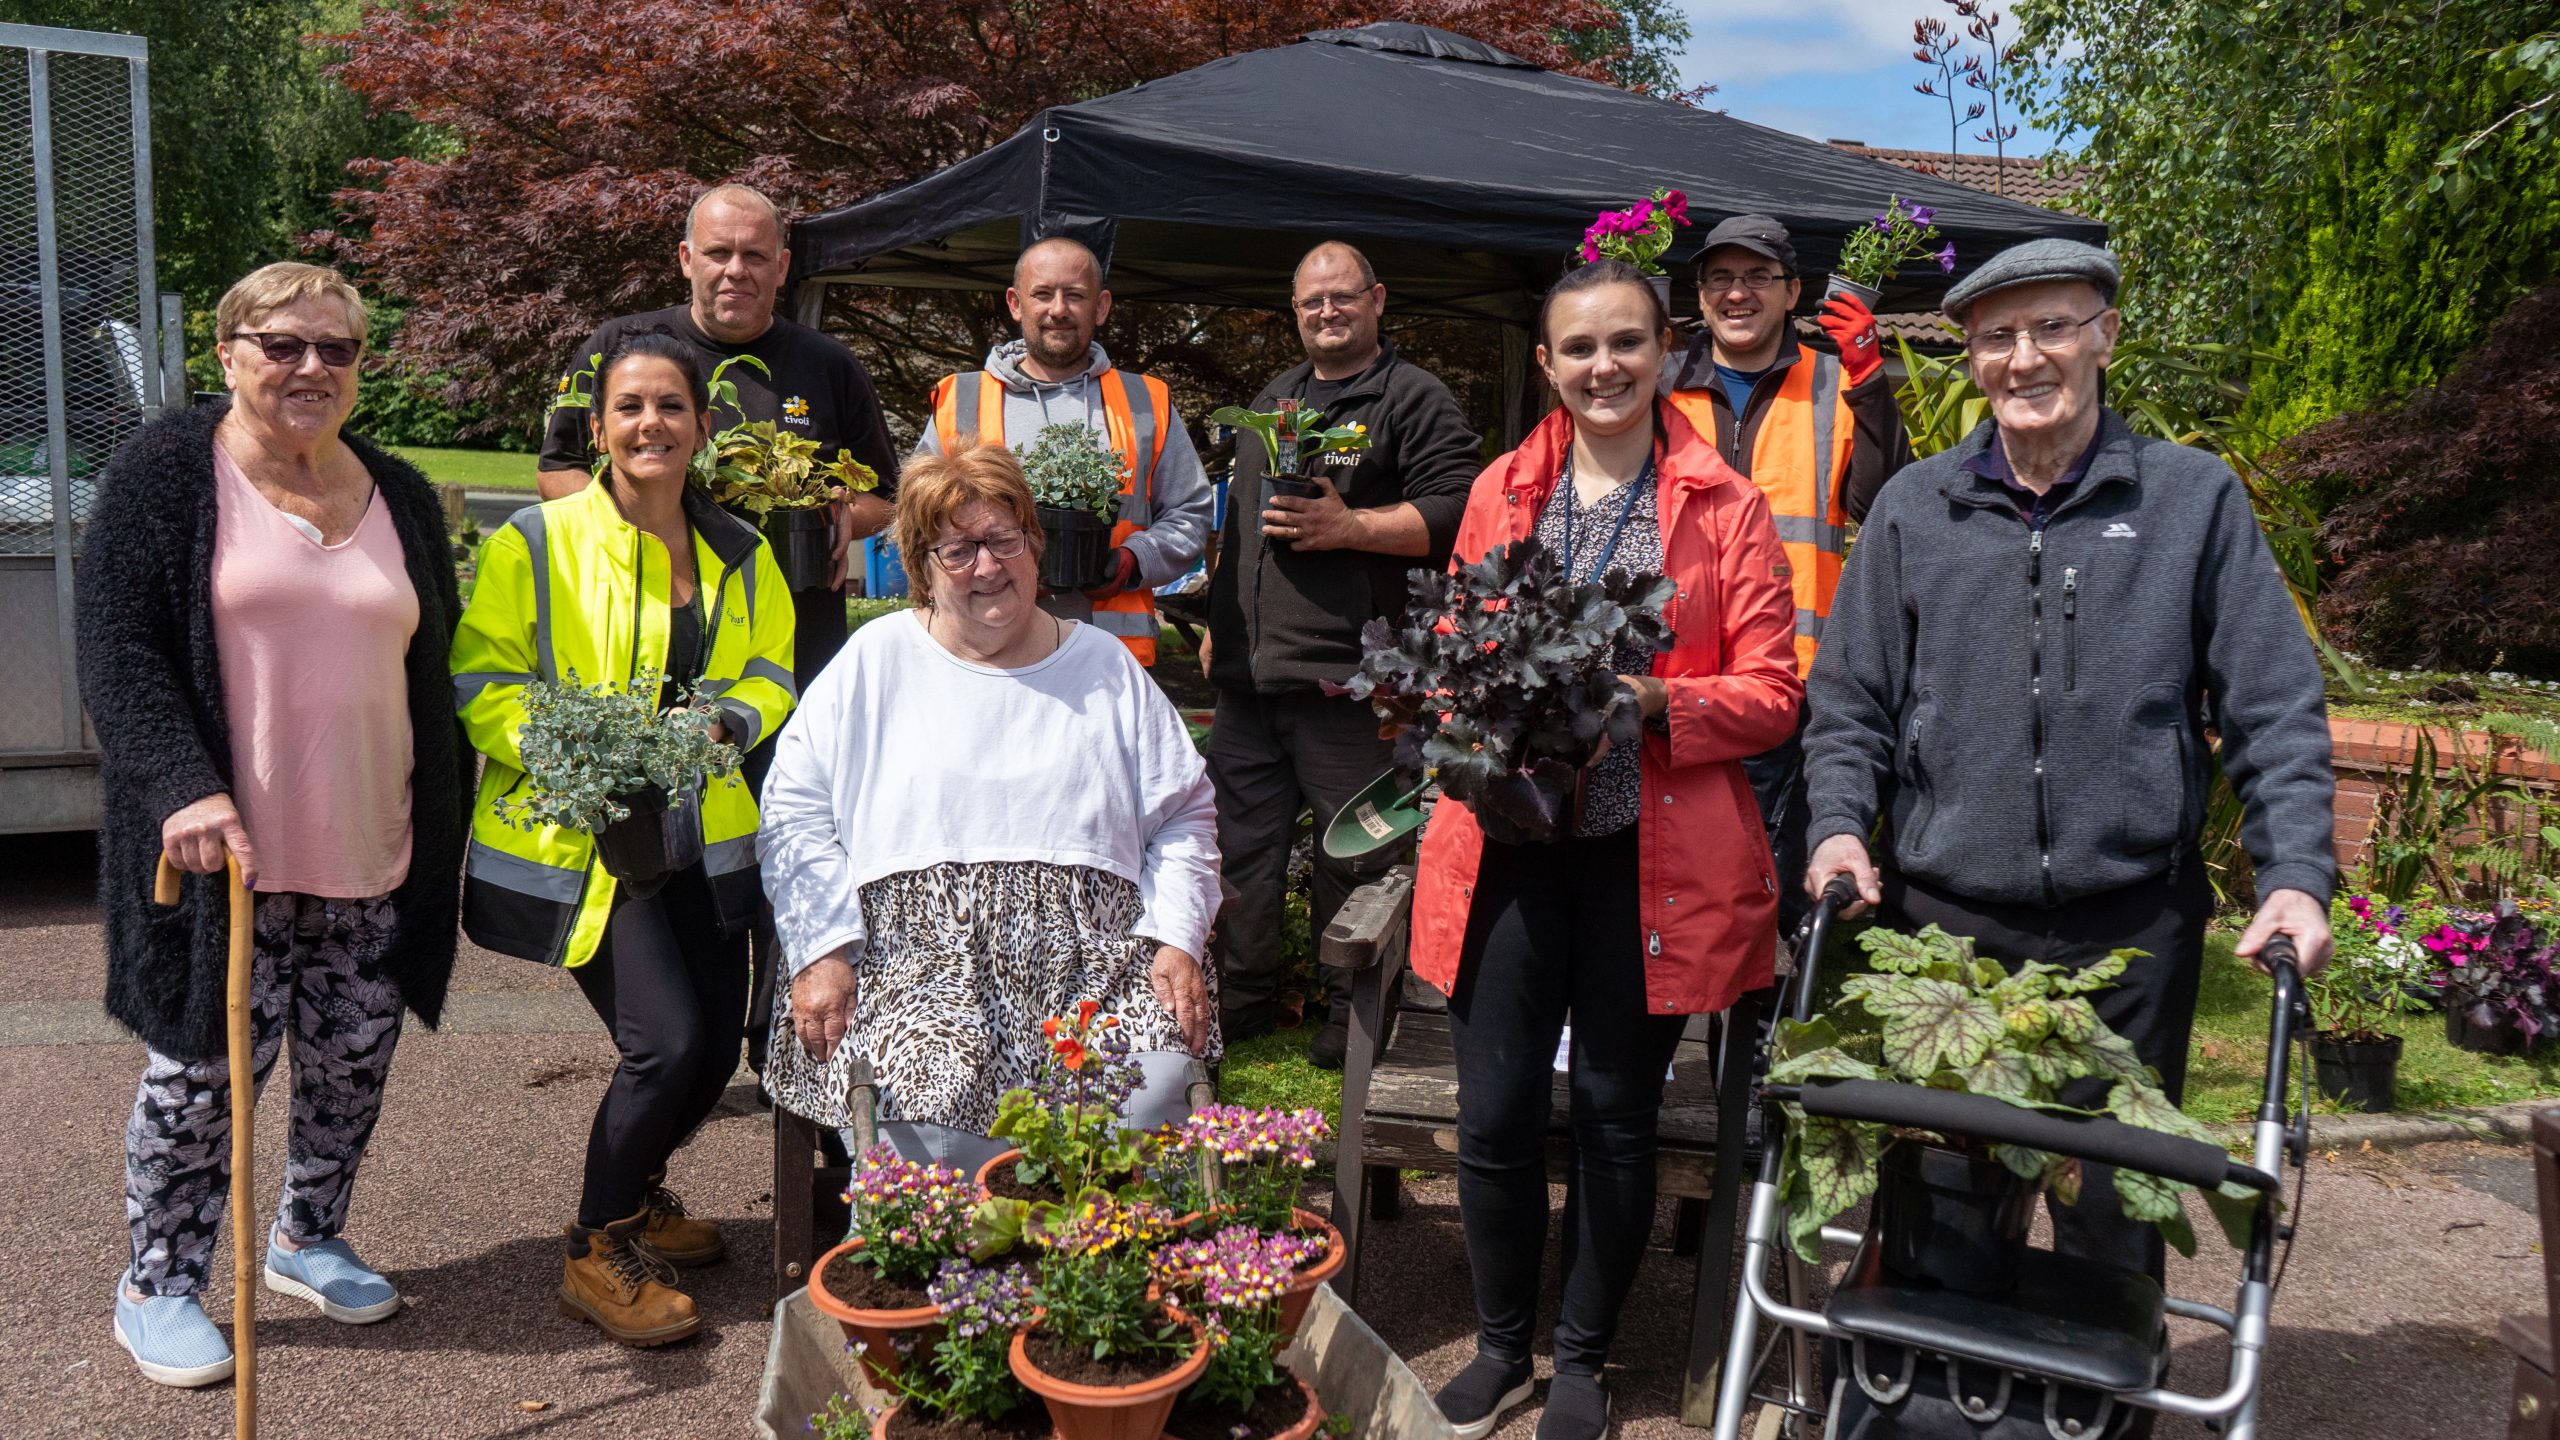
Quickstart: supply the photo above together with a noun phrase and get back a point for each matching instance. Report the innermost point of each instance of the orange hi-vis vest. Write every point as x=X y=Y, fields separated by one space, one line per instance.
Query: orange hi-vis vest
x=1799 y=459
x=1133 y=407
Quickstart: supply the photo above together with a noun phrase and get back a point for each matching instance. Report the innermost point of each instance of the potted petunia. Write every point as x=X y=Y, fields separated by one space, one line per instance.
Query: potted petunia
x=910 y=1221
x=2356 y=1002
x=1074 y=476
x=1292 y=437
x=605 y=760
x=2494 y=974
x=1933 y=1013
x=1639 y=235
x=1505 y=696
x=1234 y=1281
x=1876 y=252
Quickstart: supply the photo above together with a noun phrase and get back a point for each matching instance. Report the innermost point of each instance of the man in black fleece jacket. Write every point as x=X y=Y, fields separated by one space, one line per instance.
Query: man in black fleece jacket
x=1296 y=580
x=2034 y=631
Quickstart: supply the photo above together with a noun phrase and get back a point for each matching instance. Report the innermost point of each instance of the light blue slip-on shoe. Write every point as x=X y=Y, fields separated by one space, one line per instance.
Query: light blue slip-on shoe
x=171 y=1339
x=329 y=1275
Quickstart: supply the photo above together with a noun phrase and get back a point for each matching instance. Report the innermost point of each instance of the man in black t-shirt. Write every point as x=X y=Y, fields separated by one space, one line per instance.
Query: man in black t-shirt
x=733 y=256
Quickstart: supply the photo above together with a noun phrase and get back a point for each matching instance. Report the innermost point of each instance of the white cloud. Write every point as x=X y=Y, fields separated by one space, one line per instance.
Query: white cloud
x=1740 y=41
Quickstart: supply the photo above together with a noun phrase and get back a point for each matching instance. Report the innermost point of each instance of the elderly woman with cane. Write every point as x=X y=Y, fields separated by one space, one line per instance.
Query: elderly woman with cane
x=265 y=605
x=982 y=816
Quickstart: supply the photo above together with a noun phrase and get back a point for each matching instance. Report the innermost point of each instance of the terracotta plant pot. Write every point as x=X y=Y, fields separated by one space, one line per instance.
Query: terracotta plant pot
x=1307 y=1424
x=986 y=1173
x=1302 y=1289
x=879 y=1331
x=1111 y=1412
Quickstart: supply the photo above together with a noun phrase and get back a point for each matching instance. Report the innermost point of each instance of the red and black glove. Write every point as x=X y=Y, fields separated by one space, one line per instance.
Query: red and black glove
x=1124 y=575
x=1852 y=326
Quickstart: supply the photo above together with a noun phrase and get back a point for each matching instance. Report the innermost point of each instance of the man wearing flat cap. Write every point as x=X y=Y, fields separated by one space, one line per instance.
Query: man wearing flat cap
x=2033 y=636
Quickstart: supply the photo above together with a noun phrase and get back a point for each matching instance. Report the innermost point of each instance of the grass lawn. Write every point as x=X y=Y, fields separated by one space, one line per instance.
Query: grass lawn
x=2228 y=1061
x=472 y=469
x=1272 y=1070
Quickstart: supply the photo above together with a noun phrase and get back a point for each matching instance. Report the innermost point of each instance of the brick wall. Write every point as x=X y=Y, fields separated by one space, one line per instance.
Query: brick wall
x=2365 y=753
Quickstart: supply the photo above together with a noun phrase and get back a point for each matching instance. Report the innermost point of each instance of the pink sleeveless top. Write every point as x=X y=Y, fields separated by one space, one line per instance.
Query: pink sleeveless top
x=313 y=640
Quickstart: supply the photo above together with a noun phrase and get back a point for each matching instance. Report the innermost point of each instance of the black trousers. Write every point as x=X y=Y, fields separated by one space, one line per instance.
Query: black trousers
x=1777 y=779
x=1269 y=757
x=668 y=982
x=2153 y=1006
x=1554 y=933
x=818 y=632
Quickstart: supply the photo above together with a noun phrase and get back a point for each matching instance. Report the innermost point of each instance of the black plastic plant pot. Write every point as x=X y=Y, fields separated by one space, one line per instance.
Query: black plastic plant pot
x=1950 y=1218
x=2359 y=1074
x=1295 y=487
x=1079 y=552
x=2495 y=1037
x=803 y=545
x=646 y=847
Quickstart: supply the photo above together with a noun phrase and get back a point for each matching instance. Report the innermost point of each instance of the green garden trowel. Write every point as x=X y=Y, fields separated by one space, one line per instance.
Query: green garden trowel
x=1376 y=817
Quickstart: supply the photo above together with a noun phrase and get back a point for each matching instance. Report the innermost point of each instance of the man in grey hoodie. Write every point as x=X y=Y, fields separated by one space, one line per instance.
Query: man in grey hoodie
x=1054 y=375
x=2033 y=634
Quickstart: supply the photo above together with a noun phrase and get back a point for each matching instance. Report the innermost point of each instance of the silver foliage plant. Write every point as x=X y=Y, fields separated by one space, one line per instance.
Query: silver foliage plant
x=1070 y=467
x=586 y=747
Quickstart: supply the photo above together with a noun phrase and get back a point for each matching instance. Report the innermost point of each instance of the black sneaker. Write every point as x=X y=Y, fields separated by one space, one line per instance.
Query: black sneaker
x=1332 y=1043
x=1577 y=1408
x=1474 y=1401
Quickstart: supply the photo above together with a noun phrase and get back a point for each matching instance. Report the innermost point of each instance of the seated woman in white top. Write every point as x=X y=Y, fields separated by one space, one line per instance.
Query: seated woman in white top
x=980 y=815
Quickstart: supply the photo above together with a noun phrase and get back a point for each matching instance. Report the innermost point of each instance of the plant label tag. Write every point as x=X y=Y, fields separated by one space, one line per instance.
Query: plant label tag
x=1367 y=815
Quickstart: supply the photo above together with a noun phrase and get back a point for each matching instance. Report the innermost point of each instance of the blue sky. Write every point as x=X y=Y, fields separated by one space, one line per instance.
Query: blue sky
x=1829 y=69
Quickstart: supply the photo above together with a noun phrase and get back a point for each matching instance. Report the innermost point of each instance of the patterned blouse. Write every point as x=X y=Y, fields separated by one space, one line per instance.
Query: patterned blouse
x=1613 y=795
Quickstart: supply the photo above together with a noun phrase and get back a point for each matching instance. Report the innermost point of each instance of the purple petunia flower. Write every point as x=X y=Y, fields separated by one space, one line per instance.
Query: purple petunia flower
x=1921 y=215
x=1947 y=258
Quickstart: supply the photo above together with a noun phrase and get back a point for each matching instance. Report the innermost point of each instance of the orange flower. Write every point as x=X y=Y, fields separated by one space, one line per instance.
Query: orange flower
x=1085 y=1009
x=1071 y=1054
x=1049 y=1027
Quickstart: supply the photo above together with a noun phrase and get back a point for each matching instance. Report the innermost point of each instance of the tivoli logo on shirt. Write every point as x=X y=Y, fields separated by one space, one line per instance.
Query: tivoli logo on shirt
x=795 y=410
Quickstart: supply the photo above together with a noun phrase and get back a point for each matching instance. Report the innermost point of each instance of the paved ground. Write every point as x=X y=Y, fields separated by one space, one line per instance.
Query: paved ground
x=2385 y=1329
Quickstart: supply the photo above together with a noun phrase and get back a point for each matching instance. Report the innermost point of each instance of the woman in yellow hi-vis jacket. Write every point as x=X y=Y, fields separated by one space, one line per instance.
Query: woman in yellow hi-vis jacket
x=637 y=574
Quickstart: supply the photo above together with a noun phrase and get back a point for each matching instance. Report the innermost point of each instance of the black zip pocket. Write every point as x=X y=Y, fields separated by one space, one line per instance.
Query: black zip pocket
x=2070 y=628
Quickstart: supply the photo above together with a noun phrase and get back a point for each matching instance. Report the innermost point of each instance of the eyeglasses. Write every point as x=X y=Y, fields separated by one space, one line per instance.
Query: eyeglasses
x=960 y=556
x=1344 y=300
x=285 y=349
x=2054 y=336
x=1716 y=282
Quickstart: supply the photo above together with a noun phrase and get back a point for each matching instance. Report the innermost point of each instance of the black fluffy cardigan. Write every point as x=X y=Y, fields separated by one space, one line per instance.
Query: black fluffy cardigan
x=153 y=685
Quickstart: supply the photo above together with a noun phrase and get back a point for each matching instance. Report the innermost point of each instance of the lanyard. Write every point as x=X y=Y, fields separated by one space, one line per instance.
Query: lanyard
x=1626 y=507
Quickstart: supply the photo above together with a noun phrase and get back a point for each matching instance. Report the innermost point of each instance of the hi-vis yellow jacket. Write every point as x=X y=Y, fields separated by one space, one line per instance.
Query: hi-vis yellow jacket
x=571 y=586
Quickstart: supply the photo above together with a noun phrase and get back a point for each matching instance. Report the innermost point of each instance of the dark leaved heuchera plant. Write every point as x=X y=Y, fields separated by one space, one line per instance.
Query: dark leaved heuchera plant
x=2495 y=970
x=1499 y=683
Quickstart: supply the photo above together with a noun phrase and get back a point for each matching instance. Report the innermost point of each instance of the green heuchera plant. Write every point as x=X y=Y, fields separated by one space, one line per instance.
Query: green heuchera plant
x=585 y=747
x=1071 y=467
x=1935 y=1014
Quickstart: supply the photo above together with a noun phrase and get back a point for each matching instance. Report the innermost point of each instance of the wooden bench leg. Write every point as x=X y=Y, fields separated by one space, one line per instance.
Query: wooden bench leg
x=1711 y=1309
x=1687 y=1223
x=1386 y=1192
x=795 y=1171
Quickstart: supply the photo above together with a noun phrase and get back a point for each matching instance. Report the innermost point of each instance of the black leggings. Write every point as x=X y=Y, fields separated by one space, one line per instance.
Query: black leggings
x=669 y=983
x=1554 y=931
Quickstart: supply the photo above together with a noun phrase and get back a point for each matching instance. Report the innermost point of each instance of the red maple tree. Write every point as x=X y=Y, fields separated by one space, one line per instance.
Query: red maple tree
x=577 y=133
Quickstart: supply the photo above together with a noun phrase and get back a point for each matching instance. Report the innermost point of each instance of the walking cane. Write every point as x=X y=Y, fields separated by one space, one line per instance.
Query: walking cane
x=244 y=1107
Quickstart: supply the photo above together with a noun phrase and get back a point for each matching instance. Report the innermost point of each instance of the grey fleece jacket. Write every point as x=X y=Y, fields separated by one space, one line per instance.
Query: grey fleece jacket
x=1183 y=498
x=2029 y=711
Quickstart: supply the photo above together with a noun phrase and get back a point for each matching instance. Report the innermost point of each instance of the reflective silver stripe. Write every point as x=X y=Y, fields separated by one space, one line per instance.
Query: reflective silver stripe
x=1805 y=530
x=1141 y=500
x=964 y=403
x=1826 y=402
x=530 y=523
x=525 y=877
x=468 y=685
x=1128 y=624
x=746 y=727
x=729 y=855
x=761 y=669
x=1809 y=625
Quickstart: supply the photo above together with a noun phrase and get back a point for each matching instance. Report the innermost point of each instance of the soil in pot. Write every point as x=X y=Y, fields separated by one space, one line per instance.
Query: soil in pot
x=864 y=1288
x=1954 y=1218
x=2494 y=1038
x=1079 y=1366
x=1281 y=1410
x=1029 y=1421
x=1004 y=1182
x=2359 y=1071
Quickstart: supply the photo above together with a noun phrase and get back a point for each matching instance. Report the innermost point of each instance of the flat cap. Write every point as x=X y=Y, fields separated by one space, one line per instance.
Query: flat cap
x=2030 y=262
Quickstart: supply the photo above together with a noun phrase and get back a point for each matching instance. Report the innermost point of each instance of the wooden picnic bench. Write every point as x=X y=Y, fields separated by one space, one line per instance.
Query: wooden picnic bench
x=1400 y=1112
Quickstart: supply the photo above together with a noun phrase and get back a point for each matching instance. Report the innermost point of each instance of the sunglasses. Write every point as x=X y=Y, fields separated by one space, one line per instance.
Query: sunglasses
x=287 y=349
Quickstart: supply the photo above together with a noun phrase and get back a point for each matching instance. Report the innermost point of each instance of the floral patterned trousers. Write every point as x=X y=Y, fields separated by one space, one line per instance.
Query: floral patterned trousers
x=317 y=963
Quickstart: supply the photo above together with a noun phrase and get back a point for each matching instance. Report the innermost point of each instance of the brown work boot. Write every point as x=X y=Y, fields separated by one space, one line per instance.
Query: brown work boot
x=615 y=1282
x=676 y=1235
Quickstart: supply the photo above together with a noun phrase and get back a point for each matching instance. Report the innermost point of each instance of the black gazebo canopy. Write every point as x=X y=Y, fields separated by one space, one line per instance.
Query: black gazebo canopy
x=1466 y=175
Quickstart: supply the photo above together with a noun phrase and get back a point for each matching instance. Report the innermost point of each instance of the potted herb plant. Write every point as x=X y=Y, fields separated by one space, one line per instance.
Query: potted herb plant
x=1638 y=235
x=604 y=760
x=1234 y=1282
x=1292 y=437
x=1505 y=697
x=1934 y=1014
x=2493 y=973
x=1074 y=476
x=1106 y=1355
x=1876 y=252
x=1263 y=1157
x=909 y=1222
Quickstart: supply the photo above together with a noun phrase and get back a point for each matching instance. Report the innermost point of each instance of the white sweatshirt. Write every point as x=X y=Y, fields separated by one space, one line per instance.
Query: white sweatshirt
x=902 y=755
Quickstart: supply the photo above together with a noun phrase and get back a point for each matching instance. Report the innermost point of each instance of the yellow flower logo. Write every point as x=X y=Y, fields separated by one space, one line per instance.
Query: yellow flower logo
x=795 y=408
x=564 y=384
x=1359 y=429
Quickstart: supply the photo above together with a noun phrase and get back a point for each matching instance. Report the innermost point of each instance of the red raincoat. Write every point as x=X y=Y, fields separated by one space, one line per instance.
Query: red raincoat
x=1708 y=888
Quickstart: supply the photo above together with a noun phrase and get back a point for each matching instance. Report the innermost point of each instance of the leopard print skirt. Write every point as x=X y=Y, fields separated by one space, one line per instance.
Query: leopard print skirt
x=962 y=963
